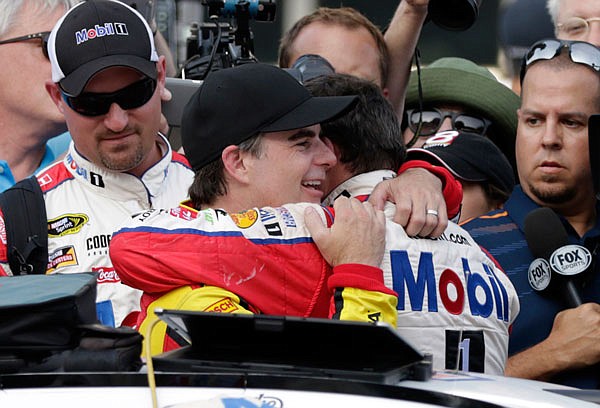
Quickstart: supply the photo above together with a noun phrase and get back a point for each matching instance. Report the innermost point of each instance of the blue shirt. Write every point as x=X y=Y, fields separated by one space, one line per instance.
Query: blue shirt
x=54 y=149
x=501 y=233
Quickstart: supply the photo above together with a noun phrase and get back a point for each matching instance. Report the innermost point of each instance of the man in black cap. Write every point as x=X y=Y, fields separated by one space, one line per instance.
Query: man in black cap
x=107 y=80
x=228 y=258
x=205 y=247
x=484 y=172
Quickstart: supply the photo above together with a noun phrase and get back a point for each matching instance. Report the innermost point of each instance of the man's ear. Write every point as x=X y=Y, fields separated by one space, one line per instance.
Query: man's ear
x=233 y=162
x=54 y=93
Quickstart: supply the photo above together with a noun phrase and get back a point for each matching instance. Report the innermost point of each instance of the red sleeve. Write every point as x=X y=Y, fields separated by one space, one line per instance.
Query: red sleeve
x=3 y=248
x=452 y=189
x=360 y=277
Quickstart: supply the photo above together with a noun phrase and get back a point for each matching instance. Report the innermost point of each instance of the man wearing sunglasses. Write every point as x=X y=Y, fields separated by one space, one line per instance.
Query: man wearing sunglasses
x=107 y=81
x=553 y=338
x=457 y=94
x=576 y=20
x=30 y=121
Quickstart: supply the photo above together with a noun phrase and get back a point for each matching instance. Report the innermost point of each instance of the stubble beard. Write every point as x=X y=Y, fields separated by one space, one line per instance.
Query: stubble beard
x=124 y=160
x=553 y=194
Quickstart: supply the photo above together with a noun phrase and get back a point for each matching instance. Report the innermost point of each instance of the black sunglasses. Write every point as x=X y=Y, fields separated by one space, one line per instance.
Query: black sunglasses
x=580 y=52
x=96 y=104
x=43 y=37
x=428 y=121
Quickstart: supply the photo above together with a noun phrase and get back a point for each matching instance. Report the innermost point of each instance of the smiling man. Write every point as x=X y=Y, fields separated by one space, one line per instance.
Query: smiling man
x=106 y=79
x=218 y=252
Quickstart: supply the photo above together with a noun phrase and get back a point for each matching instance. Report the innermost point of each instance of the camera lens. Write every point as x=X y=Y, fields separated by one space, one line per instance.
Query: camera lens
x=455 y=15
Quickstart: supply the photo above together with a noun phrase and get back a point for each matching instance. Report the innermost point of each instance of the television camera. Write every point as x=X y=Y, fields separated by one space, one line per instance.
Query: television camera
x=222 y=44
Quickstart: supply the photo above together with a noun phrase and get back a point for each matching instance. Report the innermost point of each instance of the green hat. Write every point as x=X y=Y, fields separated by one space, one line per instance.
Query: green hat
x=458 y=81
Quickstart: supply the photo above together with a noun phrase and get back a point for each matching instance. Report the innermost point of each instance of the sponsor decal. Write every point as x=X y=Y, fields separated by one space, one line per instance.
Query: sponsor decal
x=208 y=216
x=100 y=31
x=186 y=214
x=374 y=317
x=455 y=238
x=224 y=305
x=266 y=215
x=244 y=219
x=80 y=171
x=143 y=215
x=2 y=231
x=45 y=180
x=96 y=179
x=479 y=293
x=66 y=224
x=64 y=256
x=539 y=274
x=93 y=178
x=571 y=259
x=274 y=229
x=442 y=139
x=288 y=219
x=106 y=274
x=98 y=244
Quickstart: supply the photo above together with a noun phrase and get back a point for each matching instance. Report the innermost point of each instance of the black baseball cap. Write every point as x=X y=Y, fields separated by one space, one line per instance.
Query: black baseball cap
x=97 y=34
x=467 y=156
x=234 y=104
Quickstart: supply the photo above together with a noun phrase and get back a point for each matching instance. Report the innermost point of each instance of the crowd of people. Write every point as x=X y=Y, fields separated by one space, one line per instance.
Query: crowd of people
x=375 y=193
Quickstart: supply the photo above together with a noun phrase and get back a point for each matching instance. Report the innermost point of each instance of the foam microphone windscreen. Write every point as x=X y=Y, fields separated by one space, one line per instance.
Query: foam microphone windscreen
x=544 y=232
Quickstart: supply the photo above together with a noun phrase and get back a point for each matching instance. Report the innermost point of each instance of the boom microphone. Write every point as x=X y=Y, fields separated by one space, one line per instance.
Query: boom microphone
x=557 y=262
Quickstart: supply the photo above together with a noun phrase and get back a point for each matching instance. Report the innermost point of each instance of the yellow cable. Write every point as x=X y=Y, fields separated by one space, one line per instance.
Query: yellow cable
x=149 y=364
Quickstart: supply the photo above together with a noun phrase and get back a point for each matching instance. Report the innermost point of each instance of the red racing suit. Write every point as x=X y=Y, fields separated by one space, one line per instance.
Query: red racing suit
x=453 y=301
x=258 y=261
x=85 y=204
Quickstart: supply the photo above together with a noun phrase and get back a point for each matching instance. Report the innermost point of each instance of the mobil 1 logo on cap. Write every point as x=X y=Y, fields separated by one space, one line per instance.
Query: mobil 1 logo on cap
x=539 y=274
x=570 y=259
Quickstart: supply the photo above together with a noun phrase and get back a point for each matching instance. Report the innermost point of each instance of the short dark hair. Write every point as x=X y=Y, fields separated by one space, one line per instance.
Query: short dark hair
x=345 y=17
x=210 y=182
x=368 y=136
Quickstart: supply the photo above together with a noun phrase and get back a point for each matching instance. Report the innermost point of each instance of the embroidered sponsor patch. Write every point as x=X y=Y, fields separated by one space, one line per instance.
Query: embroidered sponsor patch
x=66 y=224
x=64 y=256
x=225 y=305
x=183 y=213
x=288 y=218
x=45 y=180
x=267 y=215
x=244 y=219
x=106 y=274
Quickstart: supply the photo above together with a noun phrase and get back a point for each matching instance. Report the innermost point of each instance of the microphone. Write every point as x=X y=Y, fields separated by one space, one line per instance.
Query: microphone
x=558 y=262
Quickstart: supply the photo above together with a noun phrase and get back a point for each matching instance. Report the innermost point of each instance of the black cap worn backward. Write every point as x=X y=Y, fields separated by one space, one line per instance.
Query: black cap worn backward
x=469 y=157
x=234 y=104
x=97 y=34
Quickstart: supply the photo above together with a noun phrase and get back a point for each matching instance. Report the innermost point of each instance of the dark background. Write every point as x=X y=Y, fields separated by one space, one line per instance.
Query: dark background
x=478 y=43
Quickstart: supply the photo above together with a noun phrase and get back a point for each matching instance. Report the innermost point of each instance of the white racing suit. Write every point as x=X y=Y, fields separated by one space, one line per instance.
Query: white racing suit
x=85 y=204
x=453 y=301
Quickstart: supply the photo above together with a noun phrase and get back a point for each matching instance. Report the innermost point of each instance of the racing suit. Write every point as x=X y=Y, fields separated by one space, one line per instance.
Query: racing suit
x=85 y=204
x=453 y=302
x=452 y=298
x=258 y=261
